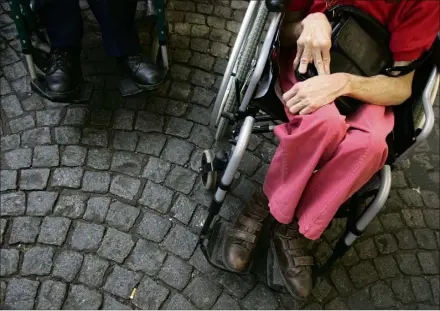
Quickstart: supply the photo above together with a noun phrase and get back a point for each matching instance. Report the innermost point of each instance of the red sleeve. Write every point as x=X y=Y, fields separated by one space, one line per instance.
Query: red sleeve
x=299 y=5
x=415 y=30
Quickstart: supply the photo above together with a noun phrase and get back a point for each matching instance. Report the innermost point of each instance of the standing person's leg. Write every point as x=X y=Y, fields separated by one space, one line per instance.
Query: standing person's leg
x=117 y=23
x=63 y=23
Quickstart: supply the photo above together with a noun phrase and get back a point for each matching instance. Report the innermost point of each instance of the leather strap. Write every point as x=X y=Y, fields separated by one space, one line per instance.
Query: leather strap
x=248 y=222
x=303 y=261
x=245 y=236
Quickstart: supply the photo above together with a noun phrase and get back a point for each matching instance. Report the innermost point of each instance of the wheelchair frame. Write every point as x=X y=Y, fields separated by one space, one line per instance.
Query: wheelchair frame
x=23 y=14
x=246 y=120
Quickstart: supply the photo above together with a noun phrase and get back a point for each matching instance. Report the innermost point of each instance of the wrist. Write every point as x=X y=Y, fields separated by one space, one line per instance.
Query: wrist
x=347 y=82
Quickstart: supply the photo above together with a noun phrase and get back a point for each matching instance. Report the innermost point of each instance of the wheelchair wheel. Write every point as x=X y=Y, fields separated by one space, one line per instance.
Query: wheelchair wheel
x=229 y=104
x=209 y=178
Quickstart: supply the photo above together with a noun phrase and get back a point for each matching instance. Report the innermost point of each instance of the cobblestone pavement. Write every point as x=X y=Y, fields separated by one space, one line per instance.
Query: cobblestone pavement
x=100 y=198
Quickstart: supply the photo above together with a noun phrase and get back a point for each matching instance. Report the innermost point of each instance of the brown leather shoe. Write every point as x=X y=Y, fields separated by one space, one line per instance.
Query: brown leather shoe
x=241 y=239
x=290 y=250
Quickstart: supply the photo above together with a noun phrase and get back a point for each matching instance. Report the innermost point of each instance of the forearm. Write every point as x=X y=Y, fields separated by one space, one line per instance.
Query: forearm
x=379 y=90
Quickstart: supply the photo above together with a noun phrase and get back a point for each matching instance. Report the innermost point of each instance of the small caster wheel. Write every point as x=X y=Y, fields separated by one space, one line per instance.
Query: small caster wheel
x=209 y=178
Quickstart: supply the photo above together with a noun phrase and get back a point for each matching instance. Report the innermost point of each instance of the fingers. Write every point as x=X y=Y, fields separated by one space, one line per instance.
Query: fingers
x=291 y=93
x=295 y=105
x=299 y=51
x=305 y=59
x=317 y=60
x=326 y=60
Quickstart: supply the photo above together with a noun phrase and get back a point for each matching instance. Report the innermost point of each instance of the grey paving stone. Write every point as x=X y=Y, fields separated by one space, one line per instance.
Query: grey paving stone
x=86 y=236
x=16 y=159
x=51 y=295
x=151 y=143
x=156 y=169
x=99 y=158
x=156 y=197
x=432 y=218
x=3 y=224
x=180 y=241
x=226 y=302
x=153 y=227
x=98 y=182
x=386 y=243
x=178 y=127
x=428 y=263
x=9 y=259
x=363 y=274
x=198 y=219
x=146 y=257
x=361 y=300
x=366 y=249
x=341 y=281
x=33 y=102
x=406 y=240
x=97 y=208
x=435 y=286
x=21 y=124
x=49 y=117
x=11 y=106
x=180 y=91
x=22 y=86
x=24 y=230
x=116 y=245
x=149 y=122
x=95 y=137
x=386 y=267
x=40 y=203
x=8 y=180
x=125 y=140
x=231 y=208
x=9 y=142
x=75 y=116
x=178 y=302
x=4 y=86
x=322 y=290
x=402 y=290
x=123 y=119
x=15 y=71
x=176 y=108
x=67 y=135
x=35 y=137
x=425 y=238
x=13 y=204
x=413 y=218
x=150 y=295
x=336 y=304
x=20 y=294
x=71 y=205
x=408 y=264
x=382 y=296
x=125 y=187
x=8 y=55
x=183 y=209
x=121 y=216
x=34 y=179
x=181 y=179
x=411 y=197
x=430 y=199
x=73 y=156
x=93 y=270
x=67 y=265
x=54 y=230
x=202 y=136
x=392 y=221
x=81 y=297
x=121 y=282
x=37 y=261
x=46 y=156
x=177 y=151
x=421 y=289
x=127 y=162
x=175 y=272
x=179 y=72
x=111 y=303
x=236 y=285
x=67 y=177
x=260 y=298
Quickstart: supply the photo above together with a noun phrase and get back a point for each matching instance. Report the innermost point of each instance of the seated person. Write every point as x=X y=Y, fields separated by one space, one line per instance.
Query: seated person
x=63 y=23
x=347 y=150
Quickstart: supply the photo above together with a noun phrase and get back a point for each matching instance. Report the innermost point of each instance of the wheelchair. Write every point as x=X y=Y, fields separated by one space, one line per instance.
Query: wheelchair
x=35 y=47
x=247 y=104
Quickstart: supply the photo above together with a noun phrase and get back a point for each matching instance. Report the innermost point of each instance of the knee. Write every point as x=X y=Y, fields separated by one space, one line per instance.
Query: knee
x=329 y=121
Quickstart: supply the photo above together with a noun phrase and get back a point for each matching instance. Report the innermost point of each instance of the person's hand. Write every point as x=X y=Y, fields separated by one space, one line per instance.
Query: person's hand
x=308 y=96
x=314 y=43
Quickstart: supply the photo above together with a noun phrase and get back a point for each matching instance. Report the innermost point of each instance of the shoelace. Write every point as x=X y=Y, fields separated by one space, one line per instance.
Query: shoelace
x=60 y=60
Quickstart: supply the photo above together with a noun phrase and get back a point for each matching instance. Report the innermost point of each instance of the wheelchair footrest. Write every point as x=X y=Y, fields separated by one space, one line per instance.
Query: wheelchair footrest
x=273 y=274
x=83 y=94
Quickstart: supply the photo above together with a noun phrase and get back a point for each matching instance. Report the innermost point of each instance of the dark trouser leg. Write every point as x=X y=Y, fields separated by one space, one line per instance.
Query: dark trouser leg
x=63 y=23
x=116 y=21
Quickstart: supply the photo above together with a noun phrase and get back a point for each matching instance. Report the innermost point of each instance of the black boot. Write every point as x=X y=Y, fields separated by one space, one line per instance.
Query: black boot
x=64 y=75
x=145 y=74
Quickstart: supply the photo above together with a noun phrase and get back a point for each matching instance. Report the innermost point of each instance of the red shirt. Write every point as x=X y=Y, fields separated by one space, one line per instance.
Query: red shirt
x=413 y=24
